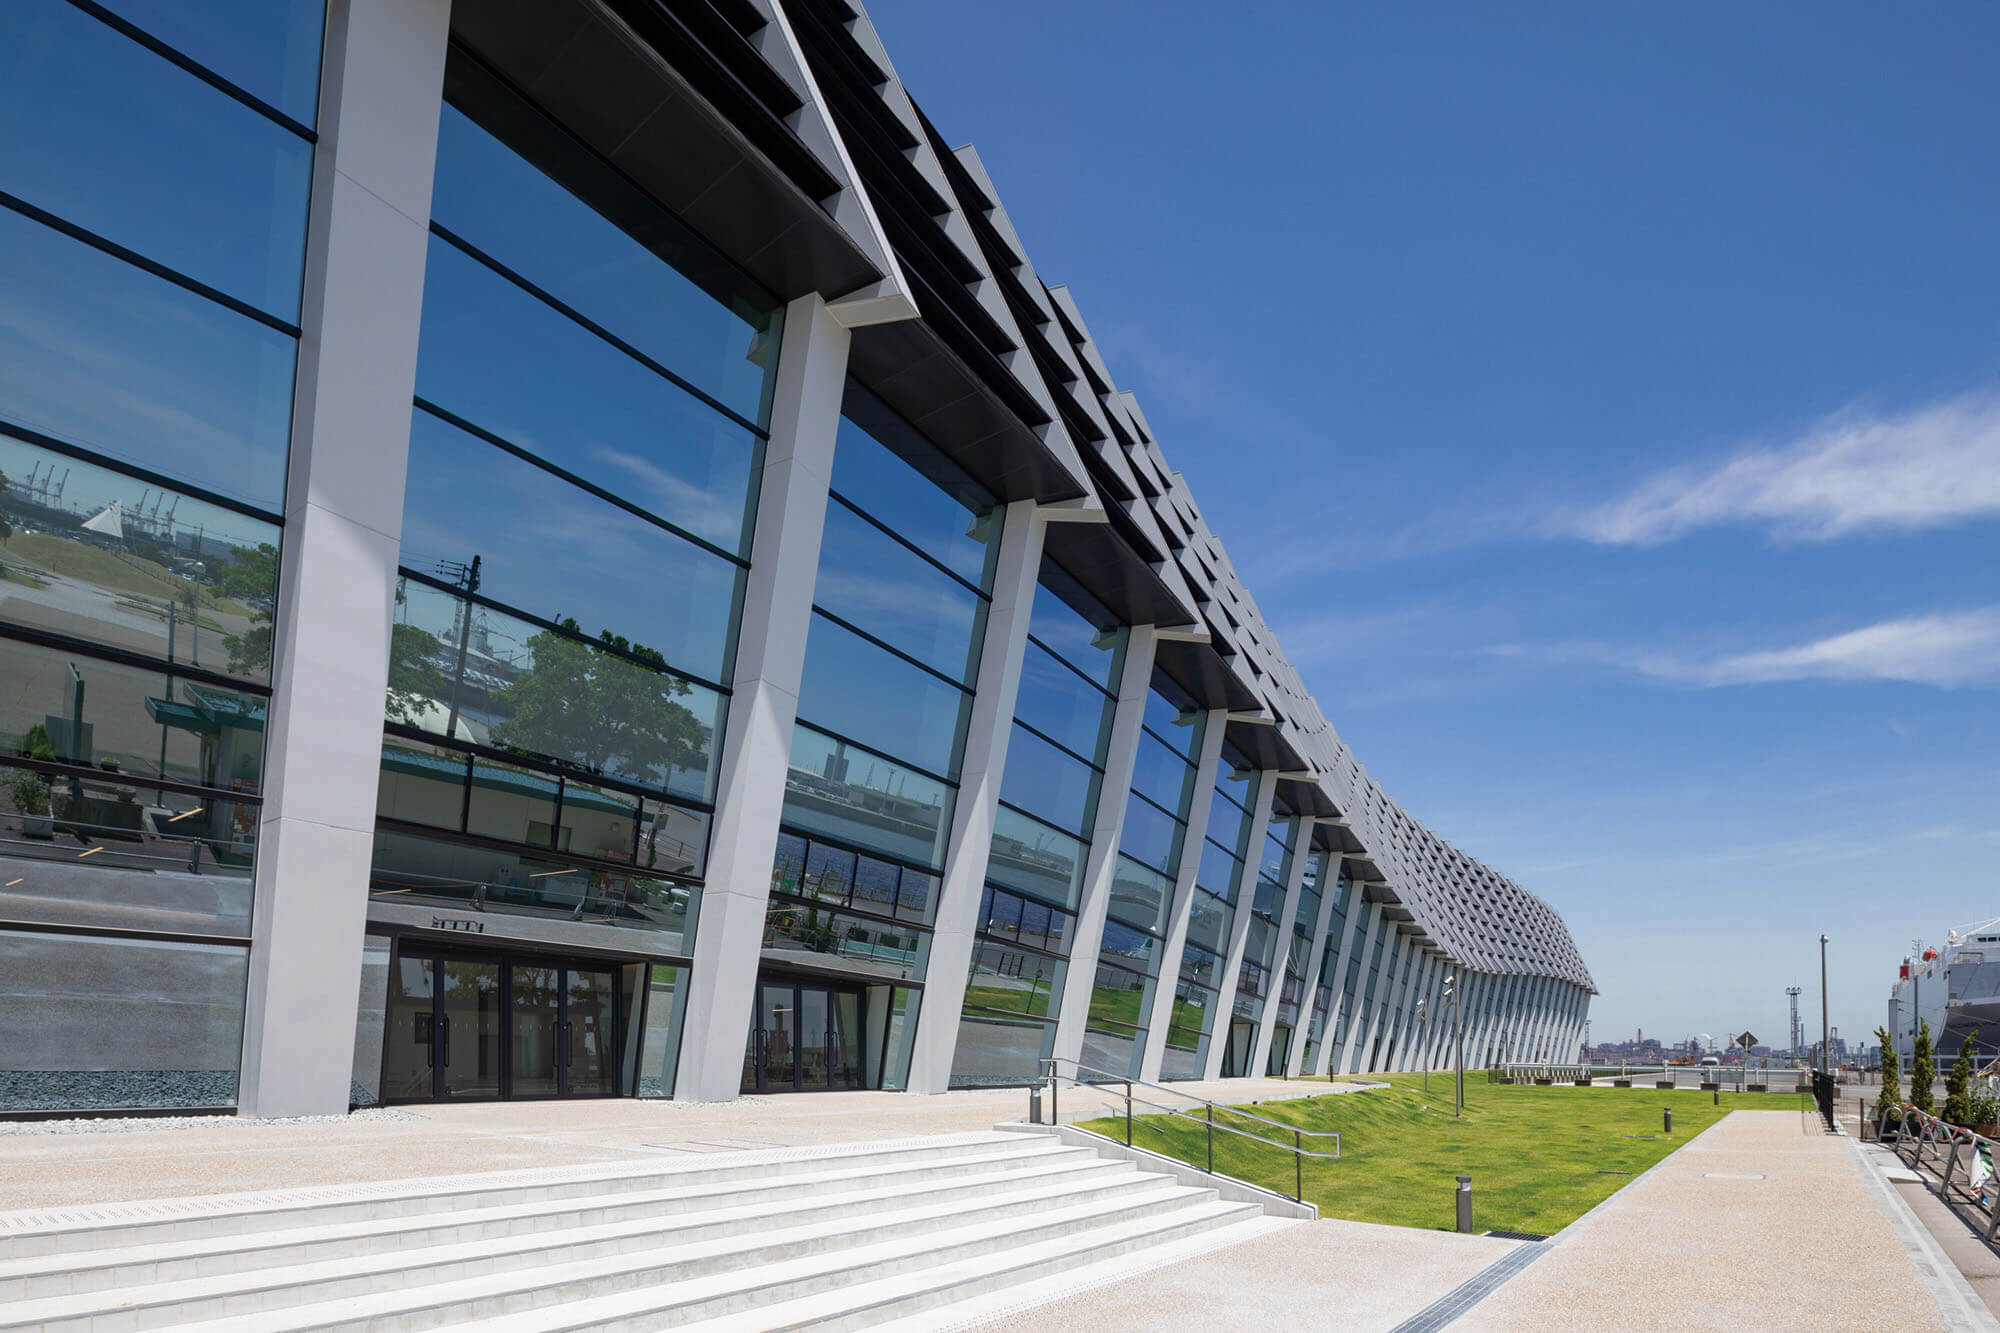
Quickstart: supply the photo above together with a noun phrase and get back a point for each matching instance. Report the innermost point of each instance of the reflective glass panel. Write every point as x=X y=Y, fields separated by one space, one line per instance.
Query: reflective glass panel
x=1059 y=628
x=498 y=201
x=860 y=798
x=963 y=537
x=268 y=48
x=808 y=934
x=1118 y=997
x=104 y=355
x=64 y=706
x=513 y=365
x=1049 y=783
x=1030 y=856
x=1162 y=775
x=1219 y=872
x=1228 y=823
x=1014 y=981
x=106 y=1022
x=558 y=551
x=857 y=690
x=1140 y=895
x=874 y=885
x=1150 y=836
x=517 y=805
x=129 y=565
x=528 y=884
x=1208 y=923
x=1131 y=948
x=1061 y=705
x=995 y=1051
x=545 y=695
x=1179 y=728
x=660 y=1044
x=877 y=584
x=105 y=134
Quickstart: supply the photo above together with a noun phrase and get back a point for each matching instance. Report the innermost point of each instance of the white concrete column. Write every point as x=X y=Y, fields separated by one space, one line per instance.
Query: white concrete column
x=1371 y=919
x=1267 y=1025
x=1177 y=921
x=1416 y=1036
x=1508 y=1019
x=1440 y=1038
x=979 y=776
x=1315 y=952
x=1479 y=1034
x=1101 y=864
x=770 y=662
x=1239 y=924
x=382 y=77
x=1327 y=1061
x=1398 y=1022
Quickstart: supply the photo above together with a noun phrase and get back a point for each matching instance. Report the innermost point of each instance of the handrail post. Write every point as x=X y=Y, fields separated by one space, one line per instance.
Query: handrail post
x=1298 y=1170
x=1211 y=1136
x=1128 y=1113
x=1055 y=1086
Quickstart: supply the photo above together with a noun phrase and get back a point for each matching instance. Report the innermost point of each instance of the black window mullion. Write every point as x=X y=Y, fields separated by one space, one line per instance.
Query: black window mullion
x=28 y=435
x=405 y=732
x=910 y=546
x=139 y=261
x=584 y=321
x=1037 y=732
x=891 y=649
x=181 y=671
x=196 y=68
x=1074 y=669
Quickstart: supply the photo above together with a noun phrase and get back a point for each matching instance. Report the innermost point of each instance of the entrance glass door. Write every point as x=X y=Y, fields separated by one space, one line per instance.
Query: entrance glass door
x=1236 y=1055
x=806 y=1037
x=464 y=1028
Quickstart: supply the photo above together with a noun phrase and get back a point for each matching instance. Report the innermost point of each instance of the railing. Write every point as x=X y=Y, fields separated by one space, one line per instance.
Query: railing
x=1738 y=1077
x=1103 y=1079
x=1928 y=1138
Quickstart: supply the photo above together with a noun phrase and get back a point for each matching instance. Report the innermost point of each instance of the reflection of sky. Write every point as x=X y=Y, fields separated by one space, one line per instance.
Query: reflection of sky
x=872 y=476
x=106 y=134
x=269 y=48
x=97 y=352
x=555 y=551
x=90 y=488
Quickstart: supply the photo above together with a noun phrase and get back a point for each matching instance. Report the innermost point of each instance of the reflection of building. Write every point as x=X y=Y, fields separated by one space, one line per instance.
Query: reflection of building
x=774 y=656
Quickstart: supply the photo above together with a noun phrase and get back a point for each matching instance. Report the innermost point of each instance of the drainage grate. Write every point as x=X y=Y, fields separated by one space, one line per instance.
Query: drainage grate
x=1516 y=1235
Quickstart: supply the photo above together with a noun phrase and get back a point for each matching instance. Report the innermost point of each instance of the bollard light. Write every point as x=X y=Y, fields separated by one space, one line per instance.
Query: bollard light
x=1718 y=1096
x=1035 y=1105
x=1465 y=1203
x=1669 y=1125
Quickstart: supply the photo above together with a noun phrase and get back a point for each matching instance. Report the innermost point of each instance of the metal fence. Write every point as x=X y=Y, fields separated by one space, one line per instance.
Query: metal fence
x=1960 y=1160
x=1726 y=1078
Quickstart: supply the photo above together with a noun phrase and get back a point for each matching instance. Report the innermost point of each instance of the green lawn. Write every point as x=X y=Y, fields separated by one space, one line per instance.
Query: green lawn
x=1533 y=1153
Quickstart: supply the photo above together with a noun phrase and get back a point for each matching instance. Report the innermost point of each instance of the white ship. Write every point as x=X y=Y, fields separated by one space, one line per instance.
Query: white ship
x=1956 y=989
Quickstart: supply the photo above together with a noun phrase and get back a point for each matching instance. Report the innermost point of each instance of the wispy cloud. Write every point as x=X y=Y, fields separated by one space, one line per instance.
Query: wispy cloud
x=1947 y=649
x=1855 y=472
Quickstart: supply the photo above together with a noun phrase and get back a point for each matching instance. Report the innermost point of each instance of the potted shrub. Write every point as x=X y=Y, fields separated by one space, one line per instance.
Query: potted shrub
x=31 y=798
x=1985 y=1113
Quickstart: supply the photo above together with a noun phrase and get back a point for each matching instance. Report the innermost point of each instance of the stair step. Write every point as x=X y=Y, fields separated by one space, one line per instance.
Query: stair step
x=674 y=1293
x=729 y=1207
x=94 y=1229
x=652 y=1250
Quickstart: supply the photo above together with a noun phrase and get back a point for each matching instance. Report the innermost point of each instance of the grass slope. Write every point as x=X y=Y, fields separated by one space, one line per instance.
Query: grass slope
x=1533 y=1153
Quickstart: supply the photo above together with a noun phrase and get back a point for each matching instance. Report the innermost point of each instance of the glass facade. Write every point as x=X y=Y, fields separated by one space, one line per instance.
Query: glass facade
x=593 y=387
x=1328 y=963
x=152 y=244
x=1048 y=810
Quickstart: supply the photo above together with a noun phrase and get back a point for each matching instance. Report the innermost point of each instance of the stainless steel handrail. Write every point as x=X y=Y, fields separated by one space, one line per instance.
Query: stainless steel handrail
x=1052 y=1075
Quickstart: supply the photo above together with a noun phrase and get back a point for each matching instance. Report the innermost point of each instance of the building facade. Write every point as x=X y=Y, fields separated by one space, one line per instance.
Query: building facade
x=561 y=548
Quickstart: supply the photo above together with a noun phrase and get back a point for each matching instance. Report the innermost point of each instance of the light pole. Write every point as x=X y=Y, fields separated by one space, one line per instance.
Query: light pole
x=1457 y=1039
x=1824 y=1048
x=1425 y=1019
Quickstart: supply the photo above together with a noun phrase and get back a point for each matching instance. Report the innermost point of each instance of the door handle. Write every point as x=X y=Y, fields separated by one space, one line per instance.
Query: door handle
x=445 y=1032
x=568 y=1047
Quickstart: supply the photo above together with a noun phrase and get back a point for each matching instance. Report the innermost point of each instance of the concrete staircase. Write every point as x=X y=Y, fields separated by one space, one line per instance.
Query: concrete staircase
x=847 y=1236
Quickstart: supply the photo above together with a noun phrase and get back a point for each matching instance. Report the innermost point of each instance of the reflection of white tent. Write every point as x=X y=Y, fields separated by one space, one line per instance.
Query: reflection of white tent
x=107 y=522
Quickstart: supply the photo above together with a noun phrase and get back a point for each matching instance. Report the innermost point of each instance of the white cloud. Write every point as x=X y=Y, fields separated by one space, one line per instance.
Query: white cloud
x=1852 y=473
x=1948 y=649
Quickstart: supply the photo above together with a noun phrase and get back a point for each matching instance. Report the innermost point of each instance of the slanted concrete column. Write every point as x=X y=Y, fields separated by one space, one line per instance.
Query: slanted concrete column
x=1397 y=1034
x=1370 y=924
x=1177 y=921
x=770 y=663
x=1416 y=1035
x=1101 y=864
x=980 y=773
x=1239 y=924
x=1328 y=1059
x=1479 y=1033
x=382 y=77
x=1267 y=1026
x=1328 y=882
x=1395 y=950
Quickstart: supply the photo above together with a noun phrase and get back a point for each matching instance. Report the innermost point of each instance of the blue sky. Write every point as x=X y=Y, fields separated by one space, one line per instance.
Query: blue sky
x=1603 y=404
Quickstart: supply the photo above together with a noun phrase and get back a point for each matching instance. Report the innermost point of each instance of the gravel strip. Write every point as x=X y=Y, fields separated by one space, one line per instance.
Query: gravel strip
x=139 y=1124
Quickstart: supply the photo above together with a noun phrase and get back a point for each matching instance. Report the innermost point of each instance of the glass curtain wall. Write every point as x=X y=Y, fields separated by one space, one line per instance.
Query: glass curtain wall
x=1151 y=844
x=1329 y=958
x=892 y=656
x=593 y=389
x=1375 y=989
x=154 y=180
x=1041 y=839
x=1254 y=977
x=1298 y=962
x=1211 y=912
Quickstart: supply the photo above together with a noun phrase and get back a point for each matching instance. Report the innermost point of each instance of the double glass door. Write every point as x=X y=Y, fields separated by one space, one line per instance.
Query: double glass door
x=805 y=1037
x=470 y=1027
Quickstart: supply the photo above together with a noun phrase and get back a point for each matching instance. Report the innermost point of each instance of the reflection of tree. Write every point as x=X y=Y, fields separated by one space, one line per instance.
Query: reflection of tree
x=252 y=579
x=415 y=679
x=6 y=528
x=592 y=707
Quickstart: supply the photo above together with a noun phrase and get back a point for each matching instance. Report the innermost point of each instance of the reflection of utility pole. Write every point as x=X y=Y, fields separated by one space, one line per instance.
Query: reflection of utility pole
x=467 y=578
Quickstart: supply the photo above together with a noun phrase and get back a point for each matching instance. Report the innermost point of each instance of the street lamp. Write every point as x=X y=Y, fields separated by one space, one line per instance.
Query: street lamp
x=1425 y=1019
x=1457 y=1038
x=1824 y=1049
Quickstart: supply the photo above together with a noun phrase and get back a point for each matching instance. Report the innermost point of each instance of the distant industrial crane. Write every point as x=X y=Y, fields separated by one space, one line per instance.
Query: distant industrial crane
x=1798 y=1028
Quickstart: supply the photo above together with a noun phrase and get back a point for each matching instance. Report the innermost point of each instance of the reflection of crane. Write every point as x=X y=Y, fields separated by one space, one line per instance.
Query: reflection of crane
x=1798 y=1031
